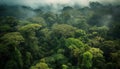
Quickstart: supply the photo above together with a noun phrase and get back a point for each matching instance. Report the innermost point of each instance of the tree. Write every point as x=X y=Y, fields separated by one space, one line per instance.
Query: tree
x=17 y=56
x=98 y=58
x=79 y=22
x=108 y=47
x=12 y=45
x=29 y=33
x=27 y=59
x=50 y=18
x=37 y=20
x=64 y=66
x=40 y=65
x=101 y=31
x=8 y=24
x=87 y=60
x=81 y=34
x=56 y=60
x=75 y=49
x=14 y=38
x=115 y=30
x=63 y=30
x=115 y=59
x=11 y=64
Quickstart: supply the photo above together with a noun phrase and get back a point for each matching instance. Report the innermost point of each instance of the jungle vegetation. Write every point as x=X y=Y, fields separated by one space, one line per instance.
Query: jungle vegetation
x=76 y=38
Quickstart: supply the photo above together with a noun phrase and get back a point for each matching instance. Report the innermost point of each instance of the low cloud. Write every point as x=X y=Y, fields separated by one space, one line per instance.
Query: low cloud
x=54 y=3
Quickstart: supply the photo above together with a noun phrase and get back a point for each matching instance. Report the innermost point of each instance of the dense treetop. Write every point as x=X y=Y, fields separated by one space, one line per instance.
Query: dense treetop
x=74 y=38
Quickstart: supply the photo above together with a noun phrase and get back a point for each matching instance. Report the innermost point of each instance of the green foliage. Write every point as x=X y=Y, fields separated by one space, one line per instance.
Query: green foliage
x=29 y=32
x=30 y=27
x=37 y=20
x=64 y=66
x=17 y=56
x=56 y=57
x=11 y=64
x=5 y=28
x=8 y=24
x=76 y=38
x=63 y=30
x=87 y=60
x=9 y=47
x=97 y=58
x=76 y=46
x=14 y=38
x=59 y=56
x=101 y=31
x=115 y=30
x=76 y=42
x=115 y=59
x=96 y=52
x=40 y=65
x=108 y=46
x=75 y=49
x=79 y=22
x=81 y=34
x=96 y=41
x=46 y=33
x=3 y=48
x=28 y=59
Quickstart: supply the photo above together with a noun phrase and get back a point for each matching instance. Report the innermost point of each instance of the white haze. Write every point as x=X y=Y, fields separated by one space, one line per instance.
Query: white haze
x=55 y=3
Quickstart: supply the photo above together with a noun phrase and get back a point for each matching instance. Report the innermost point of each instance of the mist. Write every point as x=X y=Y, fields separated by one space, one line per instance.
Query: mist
x=55 y=4
x=45 y=5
